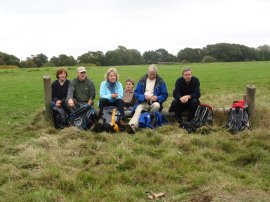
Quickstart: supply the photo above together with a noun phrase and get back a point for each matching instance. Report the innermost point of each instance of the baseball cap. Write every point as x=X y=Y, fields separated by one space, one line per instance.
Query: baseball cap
x=81 y=69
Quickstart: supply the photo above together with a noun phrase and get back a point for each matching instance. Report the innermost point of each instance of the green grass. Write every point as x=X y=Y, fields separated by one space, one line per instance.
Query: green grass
x=40 y=163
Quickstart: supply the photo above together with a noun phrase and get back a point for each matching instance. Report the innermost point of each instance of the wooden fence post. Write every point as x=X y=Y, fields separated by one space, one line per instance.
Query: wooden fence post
x=47 y=95
x=250 y=98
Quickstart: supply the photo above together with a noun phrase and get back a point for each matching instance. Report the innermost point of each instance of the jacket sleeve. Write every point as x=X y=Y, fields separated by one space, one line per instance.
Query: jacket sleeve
x=92 y=90
x=103 y=92
x=196 y=93
x=177 y=92
x=70 y=90
x=163 y=95
x=120 y=91
x=54 y=96
x=139 y=94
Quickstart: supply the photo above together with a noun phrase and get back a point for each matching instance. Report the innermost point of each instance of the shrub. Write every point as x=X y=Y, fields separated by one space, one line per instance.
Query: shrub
x=208 y=58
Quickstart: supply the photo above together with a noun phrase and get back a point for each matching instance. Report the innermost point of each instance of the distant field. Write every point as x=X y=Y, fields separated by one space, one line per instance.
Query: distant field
x=39 y=163
x=21 y=92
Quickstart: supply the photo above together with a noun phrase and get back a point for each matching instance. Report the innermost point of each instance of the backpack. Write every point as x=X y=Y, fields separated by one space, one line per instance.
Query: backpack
x=83 y=117
x=238 y=117
x=203 y=116
x=59 y=117
x=109 y=121
x=152 y=120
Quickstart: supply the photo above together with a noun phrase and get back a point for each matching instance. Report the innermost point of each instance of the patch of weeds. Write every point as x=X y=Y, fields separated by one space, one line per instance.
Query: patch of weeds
x=214 y=156
x=200 y=143
x=127 y=164
x=249 y=158
x=155 y=140
x=227 y=147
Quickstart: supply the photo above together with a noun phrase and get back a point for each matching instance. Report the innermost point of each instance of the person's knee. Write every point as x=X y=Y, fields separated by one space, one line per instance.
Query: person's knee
x=155 y=106
x=139 y=108
x=119 y=102
x=194 y=102
x=103 y=100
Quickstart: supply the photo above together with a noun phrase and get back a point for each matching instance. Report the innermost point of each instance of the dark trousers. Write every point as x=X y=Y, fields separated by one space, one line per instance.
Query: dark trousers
x=190 y=106
x=103 y=102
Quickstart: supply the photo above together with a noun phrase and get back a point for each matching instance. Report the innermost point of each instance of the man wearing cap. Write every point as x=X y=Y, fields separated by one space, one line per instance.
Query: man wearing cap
x=81 y=91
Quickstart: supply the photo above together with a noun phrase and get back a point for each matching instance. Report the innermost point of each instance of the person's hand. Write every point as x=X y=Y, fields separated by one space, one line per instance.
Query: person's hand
x=70 y=103
x=154 y=98
x=148 y=97
x=114 y=95
x=184 y=99
x=58 y=103
x=89 y=102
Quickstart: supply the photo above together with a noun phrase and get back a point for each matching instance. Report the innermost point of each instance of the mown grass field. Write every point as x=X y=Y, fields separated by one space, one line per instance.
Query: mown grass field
x=39 y=163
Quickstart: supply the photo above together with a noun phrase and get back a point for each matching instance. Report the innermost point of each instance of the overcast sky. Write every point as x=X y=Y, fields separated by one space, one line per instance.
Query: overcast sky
x=72 y=27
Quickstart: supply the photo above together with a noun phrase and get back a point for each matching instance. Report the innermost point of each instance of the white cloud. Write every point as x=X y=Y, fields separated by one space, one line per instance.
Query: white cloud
x=55 y=27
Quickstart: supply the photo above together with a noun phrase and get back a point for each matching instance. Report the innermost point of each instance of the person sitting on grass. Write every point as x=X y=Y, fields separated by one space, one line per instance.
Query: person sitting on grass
x=59 y=94
x=81 y=91
x=186 y=95
x=150 y=92
x=111 y=92
x=129 y=98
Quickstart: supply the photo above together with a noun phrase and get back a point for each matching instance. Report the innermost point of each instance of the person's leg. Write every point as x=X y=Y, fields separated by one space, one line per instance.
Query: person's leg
x=179 y=108
x=172 y=107
x=120 y=105
x=192 y=107
x=103 y=102
x=155 y=106
x=135 y=118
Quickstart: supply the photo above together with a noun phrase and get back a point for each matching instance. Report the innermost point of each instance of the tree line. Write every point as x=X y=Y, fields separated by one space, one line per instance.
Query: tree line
x=220 y=52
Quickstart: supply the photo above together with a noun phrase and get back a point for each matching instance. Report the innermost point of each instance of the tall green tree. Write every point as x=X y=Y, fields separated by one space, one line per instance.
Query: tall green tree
x=190 y=54
x=63 y=60
x=6 y=59
x=40 y=59
x=264 y=52
x=92 y=57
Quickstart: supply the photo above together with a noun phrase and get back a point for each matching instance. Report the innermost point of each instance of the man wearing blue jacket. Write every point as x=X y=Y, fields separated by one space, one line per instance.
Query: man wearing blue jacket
x=150 y=92
x=186 y=95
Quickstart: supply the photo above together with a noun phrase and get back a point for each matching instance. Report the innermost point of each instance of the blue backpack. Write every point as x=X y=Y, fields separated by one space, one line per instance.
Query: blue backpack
x=152 y=120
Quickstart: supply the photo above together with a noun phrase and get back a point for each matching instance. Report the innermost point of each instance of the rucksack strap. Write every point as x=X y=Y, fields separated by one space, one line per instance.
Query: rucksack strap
x=114 y=125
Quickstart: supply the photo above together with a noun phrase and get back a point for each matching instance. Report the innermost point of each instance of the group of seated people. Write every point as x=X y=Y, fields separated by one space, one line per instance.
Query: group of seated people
x=149 y=95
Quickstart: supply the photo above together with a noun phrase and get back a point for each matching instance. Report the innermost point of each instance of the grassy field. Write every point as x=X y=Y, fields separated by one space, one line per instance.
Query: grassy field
x=39 y=163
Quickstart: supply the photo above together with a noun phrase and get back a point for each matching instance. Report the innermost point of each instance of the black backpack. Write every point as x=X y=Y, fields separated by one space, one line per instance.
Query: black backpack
x=238 y=117
x=59 y=117
x=109 y=121
x=203 y=116
x=83 y=117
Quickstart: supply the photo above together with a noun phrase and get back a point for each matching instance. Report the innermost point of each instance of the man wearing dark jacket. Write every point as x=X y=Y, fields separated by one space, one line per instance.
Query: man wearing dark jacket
x=81 y=91
x=186 y=95
x=150 y=92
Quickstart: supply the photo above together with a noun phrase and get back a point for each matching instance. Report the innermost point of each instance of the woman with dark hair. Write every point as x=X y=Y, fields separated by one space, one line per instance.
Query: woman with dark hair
x=59 y=95
x=60 y=88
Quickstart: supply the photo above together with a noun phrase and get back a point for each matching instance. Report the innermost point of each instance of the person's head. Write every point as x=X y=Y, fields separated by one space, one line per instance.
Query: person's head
x=130 y=84
x=152 y=72
x=61 y=74
x=81 y=73
x=187 y=74
x=111 y=75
